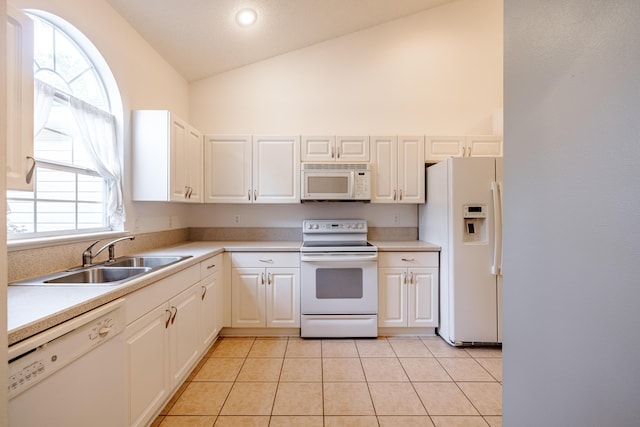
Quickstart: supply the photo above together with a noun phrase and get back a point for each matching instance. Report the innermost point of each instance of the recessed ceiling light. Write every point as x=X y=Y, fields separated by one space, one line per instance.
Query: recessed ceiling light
x=246 y=17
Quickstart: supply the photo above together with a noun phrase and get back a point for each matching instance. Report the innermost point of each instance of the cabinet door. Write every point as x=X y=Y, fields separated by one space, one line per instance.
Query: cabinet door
x=210 y=309
x=352 y=149
x=384 y=161
x=195 y=165
x=248 y=297
x=438 y=148
x=178 y=159
x=283 y=298
x=147 y=346
x=423 y=297
x=318 y=149
x=184 y=333
x=228 y=165
x=392 y=298
x=19 y=66
x=411 y=169
x=276 y=169
x=484 y=146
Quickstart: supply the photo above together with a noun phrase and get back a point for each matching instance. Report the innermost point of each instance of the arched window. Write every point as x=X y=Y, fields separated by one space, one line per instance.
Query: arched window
x=78 y=164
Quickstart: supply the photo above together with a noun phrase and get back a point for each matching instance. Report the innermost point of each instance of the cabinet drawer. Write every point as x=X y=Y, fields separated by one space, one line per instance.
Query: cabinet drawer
x=408 y=259
x=265 y=259
x=210 y=266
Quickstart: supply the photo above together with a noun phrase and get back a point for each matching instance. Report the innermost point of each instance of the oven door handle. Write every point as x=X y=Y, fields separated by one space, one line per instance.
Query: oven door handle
x=338 y=258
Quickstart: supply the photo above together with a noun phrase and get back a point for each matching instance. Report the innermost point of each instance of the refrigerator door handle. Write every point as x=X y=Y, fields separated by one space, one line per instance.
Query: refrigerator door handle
x=496 y=193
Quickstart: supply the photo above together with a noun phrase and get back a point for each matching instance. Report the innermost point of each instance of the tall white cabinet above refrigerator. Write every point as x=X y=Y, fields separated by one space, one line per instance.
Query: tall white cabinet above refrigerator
x=463 y=214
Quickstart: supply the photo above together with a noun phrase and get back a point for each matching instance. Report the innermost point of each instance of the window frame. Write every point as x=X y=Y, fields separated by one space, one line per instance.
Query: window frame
x=111 y=95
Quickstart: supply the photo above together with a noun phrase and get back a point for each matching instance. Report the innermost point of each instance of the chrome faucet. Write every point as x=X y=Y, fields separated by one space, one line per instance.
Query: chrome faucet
x=88 y=256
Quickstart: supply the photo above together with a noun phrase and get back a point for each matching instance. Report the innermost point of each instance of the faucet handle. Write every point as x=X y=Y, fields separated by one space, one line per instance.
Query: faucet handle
x=91 y=246
x=87 y=256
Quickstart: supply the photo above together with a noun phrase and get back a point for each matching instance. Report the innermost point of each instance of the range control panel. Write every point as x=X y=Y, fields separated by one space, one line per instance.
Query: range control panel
x=326 y=226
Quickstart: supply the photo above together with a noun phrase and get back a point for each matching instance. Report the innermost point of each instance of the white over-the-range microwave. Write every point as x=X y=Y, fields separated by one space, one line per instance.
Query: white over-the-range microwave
x=336 y=181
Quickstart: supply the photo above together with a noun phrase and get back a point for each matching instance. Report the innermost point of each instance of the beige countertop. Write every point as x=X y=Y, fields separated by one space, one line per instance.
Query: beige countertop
x=32 y=309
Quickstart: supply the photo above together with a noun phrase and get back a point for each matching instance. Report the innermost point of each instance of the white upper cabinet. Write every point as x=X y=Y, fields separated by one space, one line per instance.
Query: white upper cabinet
x=398 y=169
x=440 y=147
x=252 y=169
x=347 y=149
x=167 y=158
x=19 y=136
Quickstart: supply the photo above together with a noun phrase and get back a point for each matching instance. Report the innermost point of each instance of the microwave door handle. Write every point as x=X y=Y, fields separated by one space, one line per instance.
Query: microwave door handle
x=352 y=187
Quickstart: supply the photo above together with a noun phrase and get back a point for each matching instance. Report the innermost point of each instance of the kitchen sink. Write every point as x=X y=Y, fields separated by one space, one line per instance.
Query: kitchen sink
x=105 y=274
x=100 y=275
x=144 y=261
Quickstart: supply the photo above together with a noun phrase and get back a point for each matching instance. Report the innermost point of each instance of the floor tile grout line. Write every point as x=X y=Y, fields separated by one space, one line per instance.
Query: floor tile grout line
x=209 y=354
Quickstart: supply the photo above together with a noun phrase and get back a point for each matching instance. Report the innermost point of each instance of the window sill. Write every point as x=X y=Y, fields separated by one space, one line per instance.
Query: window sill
x=18 y=245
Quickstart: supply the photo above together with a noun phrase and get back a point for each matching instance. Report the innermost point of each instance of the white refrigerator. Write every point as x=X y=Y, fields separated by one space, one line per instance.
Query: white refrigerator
x=463 y=214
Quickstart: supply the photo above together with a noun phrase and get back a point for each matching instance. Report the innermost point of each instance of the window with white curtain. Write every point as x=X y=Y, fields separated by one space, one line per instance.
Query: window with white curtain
x=78 y=178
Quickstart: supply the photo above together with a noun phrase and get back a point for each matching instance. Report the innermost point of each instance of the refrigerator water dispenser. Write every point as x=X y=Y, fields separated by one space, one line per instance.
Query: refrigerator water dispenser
x=475 y=227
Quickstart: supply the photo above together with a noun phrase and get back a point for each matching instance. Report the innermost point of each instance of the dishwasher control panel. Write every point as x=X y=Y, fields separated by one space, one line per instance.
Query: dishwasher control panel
x=40 y=356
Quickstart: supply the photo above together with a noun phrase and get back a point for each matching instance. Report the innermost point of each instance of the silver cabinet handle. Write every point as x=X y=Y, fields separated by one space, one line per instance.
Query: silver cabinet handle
x=332 y=152
x=31 y=170
x=210 y=266
x=204 y=292
x=400 y=194
x=411 y=277
x=255 y=195
x=270 y=261
x=338 y=150
x=166 y=323
x=173 y=318
x=408 y=259
x=269 y=279
x=394 y=195
x=403 y=278
x=262 y=278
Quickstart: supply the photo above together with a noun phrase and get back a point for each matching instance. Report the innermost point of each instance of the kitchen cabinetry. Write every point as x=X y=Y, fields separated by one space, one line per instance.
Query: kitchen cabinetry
x=167 y=158
x=347 y=149
x=211 y=295
x=252 y=169
x=19 y=135
x=265 y=290
x=397 y=169
x=439 y=148
x=408 y=289
x=170 y=325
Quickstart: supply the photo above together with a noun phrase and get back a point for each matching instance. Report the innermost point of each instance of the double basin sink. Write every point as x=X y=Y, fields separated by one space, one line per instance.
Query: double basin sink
x=108 y=273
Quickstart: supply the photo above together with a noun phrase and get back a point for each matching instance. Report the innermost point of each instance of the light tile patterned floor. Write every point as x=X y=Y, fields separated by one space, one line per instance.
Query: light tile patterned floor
x=408 y=381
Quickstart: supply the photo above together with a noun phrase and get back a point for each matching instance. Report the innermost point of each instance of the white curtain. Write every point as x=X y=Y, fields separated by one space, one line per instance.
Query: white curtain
x=42 y=99
x=98 y=133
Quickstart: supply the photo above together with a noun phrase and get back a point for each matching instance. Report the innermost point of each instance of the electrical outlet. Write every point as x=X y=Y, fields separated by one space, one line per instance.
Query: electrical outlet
x=396 y=219
x=236 y=219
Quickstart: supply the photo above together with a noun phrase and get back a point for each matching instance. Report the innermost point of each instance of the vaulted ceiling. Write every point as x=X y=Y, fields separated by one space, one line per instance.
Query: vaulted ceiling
x=200 y=38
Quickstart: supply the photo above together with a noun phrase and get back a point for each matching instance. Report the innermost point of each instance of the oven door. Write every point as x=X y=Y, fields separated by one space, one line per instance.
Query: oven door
x=339 y=283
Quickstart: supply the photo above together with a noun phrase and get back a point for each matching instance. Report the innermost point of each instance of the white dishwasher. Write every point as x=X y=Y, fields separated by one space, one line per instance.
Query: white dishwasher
x=72 y=374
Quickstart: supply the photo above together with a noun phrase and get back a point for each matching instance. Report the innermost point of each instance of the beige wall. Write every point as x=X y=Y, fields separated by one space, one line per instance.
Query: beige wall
x=436 y=72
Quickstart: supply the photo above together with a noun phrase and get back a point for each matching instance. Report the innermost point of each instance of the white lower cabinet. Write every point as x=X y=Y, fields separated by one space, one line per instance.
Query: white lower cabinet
x=147 y=344
x=408 y=289
x=171 y=323
x=211 y=296
x=265 y=290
